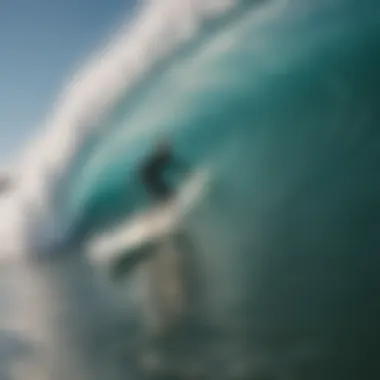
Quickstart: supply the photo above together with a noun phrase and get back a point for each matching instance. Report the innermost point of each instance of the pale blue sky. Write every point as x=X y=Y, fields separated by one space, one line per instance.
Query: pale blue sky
x=41 y=43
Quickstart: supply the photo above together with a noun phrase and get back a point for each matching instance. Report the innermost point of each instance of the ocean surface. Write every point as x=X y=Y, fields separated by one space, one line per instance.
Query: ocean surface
x=280 y=101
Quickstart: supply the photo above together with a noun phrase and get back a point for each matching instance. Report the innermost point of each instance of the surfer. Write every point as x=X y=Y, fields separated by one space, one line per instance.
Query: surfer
x=153 y=170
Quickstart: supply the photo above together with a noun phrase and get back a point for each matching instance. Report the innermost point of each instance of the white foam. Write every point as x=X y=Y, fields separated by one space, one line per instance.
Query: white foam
x=58 y=300
x=156 y=31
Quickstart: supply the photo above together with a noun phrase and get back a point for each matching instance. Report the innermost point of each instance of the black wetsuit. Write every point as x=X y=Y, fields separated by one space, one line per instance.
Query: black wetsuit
x=152 y=174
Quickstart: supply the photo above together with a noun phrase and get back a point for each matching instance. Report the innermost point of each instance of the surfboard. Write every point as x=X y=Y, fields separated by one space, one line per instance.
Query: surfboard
x=138 y=236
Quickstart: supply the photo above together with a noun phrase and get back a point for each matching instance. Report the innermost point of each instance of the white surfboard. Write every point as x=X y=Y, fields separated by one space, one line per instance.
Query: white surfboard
x=166 y=283
x=152 y=225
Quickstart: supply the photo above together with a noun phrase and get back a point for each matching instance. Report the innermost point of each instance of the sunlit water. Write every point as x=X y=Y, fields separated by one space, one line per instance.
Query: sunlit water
x=279 y=100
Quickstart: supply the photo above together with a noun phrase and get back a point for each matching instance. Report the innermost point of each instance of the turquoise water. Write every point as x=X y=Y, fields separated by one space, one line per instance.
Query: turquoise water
x=281 y=103
x=284 y=108
x=257 y=75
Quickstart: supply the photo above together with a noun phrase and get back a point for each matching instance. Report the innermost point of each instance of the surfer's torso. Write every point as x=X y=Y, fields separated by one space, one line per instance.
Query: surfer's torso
x=154 y=170
x=152 y=174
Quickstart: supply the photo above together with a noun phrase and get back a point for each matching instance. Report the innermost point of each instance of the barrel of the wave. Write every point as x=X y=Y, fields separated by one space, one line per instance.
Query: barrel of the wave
x=297 y=232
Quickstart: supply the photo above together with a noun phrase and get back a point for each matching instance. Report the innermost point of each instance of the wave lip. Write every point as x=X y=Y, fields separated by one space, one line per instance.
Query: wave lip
x=158 y=29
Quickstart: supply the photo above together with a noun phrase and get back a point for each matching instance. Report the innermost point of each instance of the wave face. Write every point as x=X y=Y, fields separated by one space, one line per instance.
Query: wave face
x=280 y=100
